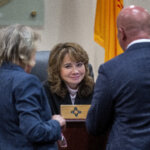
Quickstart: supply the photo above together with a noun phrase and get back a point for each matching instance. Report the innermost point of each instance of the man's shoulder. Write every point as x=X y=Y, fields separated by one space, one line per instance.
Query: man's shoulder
x=114 y=61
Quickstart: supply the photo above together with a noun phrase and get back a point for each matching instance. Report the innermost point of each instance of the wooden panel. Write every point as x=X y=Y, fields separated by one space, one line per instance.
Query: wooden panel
x=74 y=111
x=76 y=134
x=78 y=138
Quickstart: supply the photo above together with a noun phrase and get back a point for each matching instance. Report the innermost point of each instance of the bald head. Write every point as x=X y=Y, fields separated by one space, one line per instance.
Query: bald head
x=133 y=23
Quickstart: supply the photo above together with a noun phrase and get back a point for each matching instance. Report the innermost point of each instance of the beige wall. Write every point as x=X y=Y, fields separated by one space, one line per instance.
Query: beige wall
x=73 y=21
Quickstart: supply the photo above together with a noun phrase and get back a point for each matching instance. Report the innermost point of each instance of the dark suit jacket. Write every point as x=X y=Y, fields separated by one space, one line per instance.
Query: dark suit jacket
x=25 y=116
x=55 y=101
x=121 y=100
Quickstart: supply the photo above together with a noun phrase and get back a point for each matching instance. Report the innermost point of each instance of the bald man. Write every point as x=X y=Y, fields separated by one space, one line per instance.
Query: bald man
x=121 y=100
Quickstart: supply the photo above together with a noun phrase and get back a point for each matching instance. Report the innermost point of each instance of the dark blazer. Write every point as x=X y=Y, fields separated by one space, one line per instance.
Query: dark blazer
x=121 y=100
x=25 y=116
x=55 y=101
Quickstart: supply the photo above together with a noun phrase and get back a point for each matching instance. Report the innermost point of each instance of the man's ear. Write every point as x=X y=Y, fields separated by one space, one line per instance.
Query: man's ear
x=122 y=34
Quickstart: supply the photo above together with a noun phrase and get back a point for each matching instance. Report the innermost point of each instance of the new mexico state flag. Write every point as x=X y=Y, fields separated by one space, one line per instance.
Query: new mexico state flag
x=105 y=30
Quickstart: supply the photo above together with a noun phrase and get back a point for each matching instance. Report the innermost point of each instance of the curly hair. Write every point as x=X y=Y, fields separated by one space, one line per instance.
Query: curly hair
x=76 y=53
x=17 y=44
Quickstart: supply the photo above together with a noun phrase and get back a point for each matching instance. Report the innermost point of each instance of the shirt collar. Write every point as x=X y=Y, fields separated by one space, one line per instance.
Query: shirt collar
x=138 y=41
x=72 y=91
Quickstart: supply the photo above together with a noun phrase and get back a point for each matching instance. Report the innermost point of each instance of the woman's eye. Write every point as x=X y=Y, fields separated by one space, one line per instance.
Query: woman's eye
x=67 y=66
x=80 y=64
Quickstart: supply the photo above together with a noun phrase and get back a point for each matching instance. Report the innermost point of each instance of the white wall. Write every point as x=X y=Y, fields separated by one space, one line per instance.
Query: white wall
x=73 y=21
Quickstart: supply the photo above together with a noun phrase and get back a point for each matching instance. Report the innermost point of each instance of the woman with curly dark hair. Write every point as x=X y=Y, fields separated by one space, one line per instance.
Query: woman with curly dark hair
x=69 y=81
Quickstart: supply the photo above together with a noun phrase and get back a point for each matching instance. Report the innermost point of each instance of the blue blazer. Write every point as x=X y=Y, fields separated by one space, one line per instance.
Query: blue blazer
x=25 y=116
x=121 y=100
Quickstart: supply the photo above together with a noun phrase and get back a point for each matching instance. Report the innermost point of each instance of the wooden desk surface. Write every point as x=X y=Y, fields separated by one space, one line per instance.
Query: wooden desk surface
x=78 y=138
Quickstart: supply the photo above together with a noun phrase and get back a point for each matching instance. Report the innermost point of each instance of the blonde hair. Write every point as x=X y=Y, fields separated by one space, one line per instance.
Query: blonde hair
x=17 y=44
x=77 y=53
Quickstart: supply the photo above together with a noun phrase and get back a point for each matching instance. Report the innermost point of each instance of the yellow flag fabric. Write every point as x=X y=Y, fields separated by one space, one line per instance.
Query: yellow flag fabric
x=105 y=30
